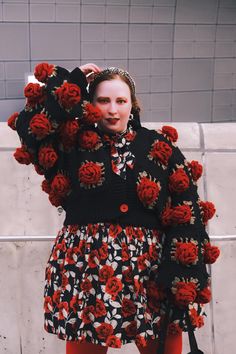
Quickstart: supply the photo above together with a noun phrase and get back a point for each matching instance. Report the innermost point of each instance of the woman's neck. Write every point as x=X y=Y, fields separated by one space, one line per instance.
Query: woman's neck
x=113 y=133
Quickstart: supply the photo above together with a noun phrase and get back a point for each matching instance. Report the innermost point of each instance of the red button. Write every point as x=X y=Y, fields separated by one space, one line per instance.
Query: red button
x=124 y=208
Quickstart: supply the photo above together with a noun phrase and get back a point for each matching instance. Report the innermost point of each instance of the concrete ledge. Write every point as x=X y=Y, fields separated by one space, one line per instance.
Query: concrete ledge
x=191 y=135
x=219 y=136
x=27 y=216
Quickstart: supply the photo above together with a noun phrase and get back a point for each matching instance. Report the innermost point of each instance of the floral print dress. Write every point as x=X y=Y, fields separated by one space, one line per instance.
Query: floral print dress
x=99 y=280
x=99 y=285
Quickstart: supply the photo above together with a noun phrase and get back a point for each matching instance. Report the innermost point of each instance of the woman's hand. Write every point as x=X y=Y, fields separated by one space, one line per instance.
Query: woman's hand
x=89 y=70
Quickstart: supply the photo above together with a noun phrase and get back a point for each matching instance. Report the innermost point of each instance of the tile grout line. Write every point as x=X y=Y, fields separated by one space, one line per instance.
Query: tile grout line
x=172 y=65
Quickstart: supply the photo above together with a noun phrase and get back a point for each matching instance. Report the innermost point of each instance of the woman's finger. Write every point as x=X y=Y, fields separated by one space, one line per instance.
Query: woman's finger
x=87 y=68
x=94 y=67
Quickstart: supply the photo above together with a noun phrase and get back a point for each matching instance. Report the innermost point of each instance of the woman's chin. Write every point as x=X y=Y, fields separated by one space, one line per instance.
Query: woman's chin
x=111 y=128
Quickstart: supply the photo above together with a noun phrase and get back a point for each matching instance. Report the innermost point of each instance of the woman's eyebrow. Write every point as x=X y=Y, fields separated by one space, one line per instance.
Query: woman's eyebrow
x=109 y=97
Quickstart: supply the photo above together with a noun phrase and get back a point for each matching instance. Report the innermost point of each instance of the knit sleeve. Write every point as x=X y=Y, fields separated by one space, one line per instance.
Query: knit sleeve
x=186 y=245
x=56 y=110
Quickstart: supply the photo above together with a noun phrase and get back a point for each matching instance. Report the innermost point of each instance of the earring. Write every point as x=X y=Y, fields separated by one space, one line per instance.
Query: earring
x=131 y=116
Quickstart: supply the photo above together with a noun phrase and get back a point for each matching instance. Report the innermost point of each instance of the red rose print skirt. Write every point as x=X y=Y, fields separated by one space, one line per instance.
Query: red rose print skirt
x=99 y=285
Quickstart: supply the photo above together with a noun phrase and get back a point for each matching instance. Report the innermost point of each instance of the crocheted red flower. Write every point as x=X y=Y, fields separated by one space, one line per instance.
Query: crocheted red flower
x=181 y=214
x=148 y=191
x=196 y=169
x=40 y=125
x=170 y=132
x=60 y=185
x=68 y=134
x=68 y=95
x=166 y=216
x=43 y=70
x=186 y=252
x=178 y=181
x=208 y=211
x=46 y=186
x=47 y=157
x=89 y=140
x=211 y=253
x=161 y=152
x=91 y=114
x=34 y=94
x=91 y=174
x=70 y=128
x=196 y=320
x=204 y=296
x=39 y=170
x=23 y=156
x=12 y=120
x=185 y=293
x=54 y=199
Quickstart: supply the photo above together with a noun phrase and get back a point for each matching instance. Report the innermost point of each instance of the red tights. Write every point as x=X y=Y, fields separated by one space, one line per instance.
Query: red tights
x=173 y=346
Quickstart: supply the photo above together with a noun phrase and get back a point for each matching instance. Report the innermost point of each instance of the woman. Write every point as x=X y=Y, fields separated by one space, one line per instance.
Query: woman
x=129 y=264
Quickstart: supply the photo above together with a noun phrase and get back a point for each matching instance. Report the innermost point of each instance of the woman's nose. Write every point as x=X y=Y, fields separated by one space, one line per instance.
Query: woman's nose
x=112 y=108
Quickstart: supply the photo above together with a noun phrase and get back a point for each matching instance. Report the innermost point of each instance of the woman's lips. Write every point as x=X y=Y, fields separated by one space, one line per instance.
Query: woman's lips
x=112 y=120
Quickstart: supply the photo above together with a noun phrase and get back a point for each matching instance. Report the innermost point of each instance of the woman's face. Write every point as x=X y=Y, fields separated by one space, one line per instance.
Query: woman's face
x=113 y=97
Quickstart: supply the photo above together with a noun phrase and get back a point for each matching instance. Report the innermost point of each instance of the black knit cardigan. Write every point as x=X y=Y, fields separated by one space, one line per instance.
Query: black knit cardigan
x=159 y=192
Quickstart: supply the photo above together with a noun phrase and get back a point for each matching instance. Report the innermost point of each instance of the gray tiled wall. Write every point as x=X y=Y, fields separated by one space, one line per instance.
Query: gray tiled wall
x=182 y=53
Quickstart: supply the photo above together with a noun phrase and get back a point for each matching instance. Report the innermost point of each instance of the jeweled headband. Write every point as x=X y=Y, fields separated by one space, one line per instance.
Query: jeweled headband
x=118 y=71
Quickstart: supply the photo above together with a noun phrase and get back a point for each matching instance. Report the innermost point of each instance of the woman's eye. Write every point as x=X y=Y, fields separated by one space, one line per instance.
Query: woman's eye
x=121 y=101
